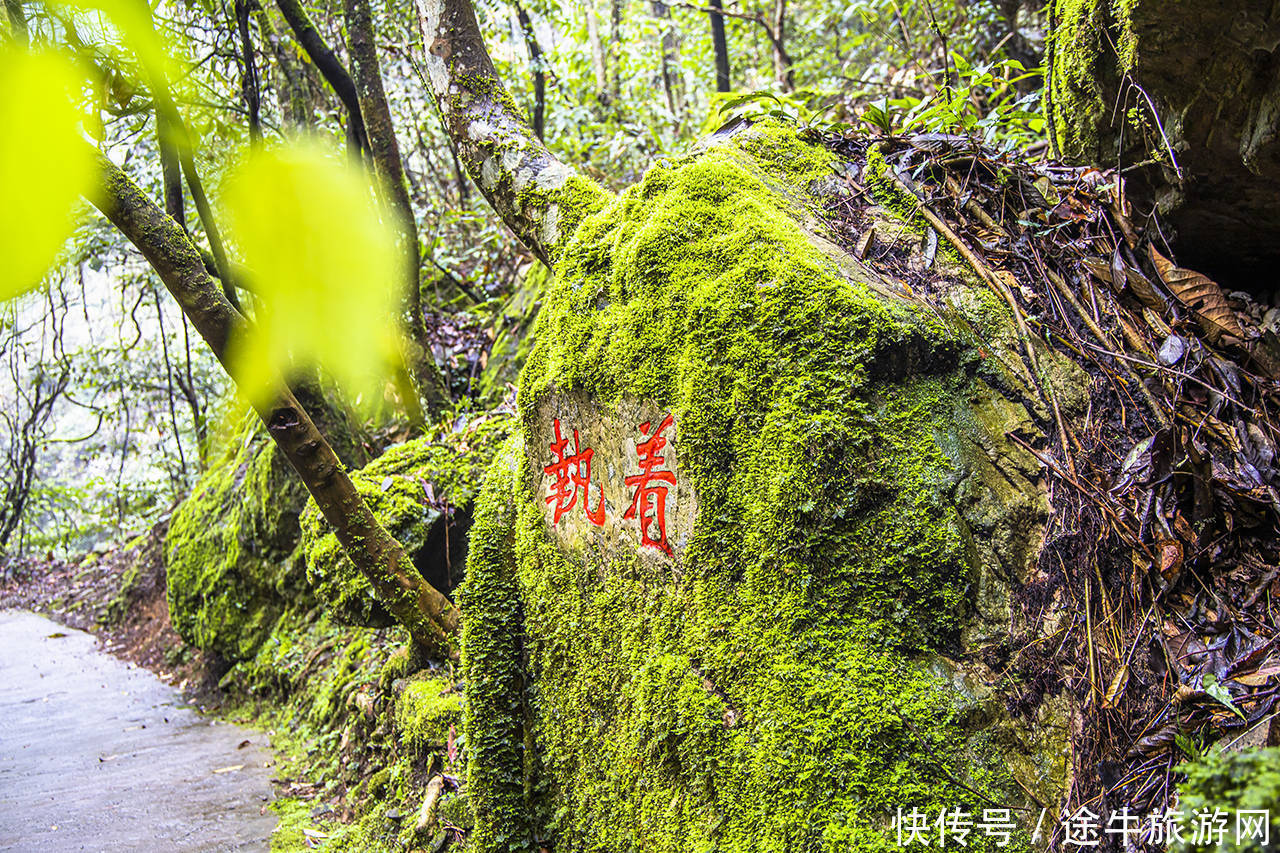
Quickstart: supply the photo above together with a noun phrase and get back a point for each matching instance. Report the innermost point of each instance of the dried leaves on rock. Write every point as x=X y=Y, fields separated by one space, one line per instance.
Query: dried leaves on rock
x=1163 y=549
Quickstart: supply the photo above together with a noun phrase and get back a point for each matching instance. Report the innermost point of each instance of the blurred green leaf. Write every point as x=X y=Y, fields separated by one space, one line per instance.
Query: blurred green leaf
x=45 y=165
x=323 y=265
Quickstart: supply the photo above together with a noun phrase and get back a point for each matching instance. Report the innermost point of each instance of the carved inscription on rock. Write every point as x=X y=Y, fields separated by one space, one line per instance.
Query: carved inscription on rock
x=609 y=479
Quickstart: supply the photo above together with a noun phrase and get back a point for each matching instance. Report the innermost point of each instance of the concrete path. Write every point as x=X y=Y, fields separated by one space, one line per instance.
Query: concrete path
x=98 y=755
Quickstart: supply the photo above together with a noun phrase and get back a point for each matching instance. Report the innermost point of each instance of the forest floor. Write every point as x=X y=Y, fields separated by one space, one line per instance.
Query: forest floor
x=119 y=596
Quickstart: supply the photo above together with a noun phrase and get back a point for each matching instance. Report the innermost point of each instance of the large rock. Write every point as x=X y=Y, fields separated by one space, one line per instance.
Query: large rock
x=422 y=492
x=231 y=556
x=1186 y=96
x=230 y=552
x=731 y=584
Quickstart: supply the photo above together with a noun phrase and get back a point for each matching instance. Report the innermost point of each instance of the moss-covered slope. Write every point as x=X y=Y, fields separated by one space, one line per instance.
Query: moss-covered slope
x=230 y=553
x=778 y=683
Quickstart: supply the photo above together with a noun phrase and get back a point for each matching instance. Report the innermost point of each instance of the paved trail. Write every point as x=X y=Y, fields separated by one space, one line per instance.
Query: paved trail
x=97 y=755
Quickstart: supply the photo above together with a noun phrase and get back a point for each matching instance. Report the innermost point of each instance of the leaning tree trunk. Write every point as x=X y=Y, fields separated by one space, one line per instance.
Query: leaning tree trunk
x=430 y=618
x=539 y=198
x=1186 y=98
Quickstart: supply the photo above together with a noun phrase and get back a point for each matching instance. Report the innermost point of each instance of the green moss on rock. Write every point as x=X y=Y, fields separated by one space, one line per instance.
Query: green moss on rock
x=1248 y=780
x=410 y=488
x=230 y=552
x=425 y=711
x=767 y=691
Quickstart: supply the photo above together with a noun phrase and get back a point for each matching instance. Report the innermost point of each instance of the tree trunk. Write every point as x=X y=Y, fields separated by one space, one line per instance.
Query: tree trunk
x=598 y=60
x=1184 y=97
x=394 y=189
x=330 y=67
x=428 y=615
x=541 y=199
x=670 y=65
x=781 y=59
x=720 y=46
x=538 y=64
x=250 y=85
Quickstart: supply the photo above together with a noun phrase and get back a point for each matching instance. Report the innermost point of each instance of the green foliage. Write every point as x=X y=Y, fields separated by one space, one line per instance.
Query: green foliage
x=1232 y=782
x=323 y=264
x=984 y=104
x=45 y=168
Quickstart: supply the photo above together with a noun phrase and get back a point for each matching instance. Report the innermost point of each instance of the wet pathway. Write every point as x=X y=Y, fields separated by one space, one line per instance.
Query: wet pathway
x=98 y=755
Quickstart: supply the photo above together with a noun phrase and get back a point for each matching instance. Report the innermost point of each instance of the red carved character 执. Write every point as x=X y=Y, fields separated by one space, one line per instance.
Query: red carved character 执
x=649 y=501
x=572 y=473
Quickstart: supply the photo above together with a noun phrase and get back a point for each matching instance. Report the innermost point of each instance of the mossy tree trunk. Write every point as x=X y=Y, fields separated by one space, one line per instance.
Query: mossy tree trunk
x=432 y=621
x=538 y=197
x=1185 y=97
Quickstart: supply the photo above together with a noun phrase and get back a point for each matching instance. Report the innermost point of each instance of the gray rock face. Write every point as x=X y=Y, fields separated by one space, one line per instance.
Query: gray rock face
x=610 y=479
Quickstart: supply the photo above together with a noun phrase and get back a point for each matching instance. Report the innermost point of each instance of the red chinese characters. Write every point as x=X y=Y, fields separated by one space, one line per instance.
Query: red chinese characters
x=649 y=500
x=571 y=473
x=570 y=484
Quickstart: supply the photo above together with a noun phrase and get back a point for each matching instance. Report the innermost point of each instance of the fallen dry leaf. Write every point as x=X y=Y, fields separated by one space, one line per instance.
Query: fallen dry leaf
x=1117 y=687
x=1204 y=297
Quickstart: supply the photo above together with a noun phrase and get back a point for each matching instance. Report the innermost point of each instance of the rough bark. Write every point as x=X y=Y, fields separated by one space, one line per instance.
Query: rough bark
x=428 y=615
x=1186 y=98
x=394 y=188
x=536 y=195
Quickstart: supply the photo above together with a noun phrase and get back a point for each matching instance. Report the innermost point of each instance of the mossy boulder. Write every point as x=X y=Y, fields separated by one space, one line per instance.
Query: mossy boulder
x=231 y=558
x=1184 y=96
x=793 y=652
x=421 y=491
x=230 y=552
x=425 y=710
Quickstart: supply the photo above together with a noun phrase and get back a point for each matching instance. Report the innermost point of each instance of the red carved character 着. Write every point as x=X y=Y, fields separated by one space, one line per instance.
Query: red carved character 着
x=649 y=501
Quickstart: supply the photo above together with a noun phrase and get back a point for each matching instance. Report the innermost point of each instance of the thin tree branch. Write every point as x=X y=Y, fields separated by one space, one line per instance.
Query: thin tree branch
x=250 y=86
